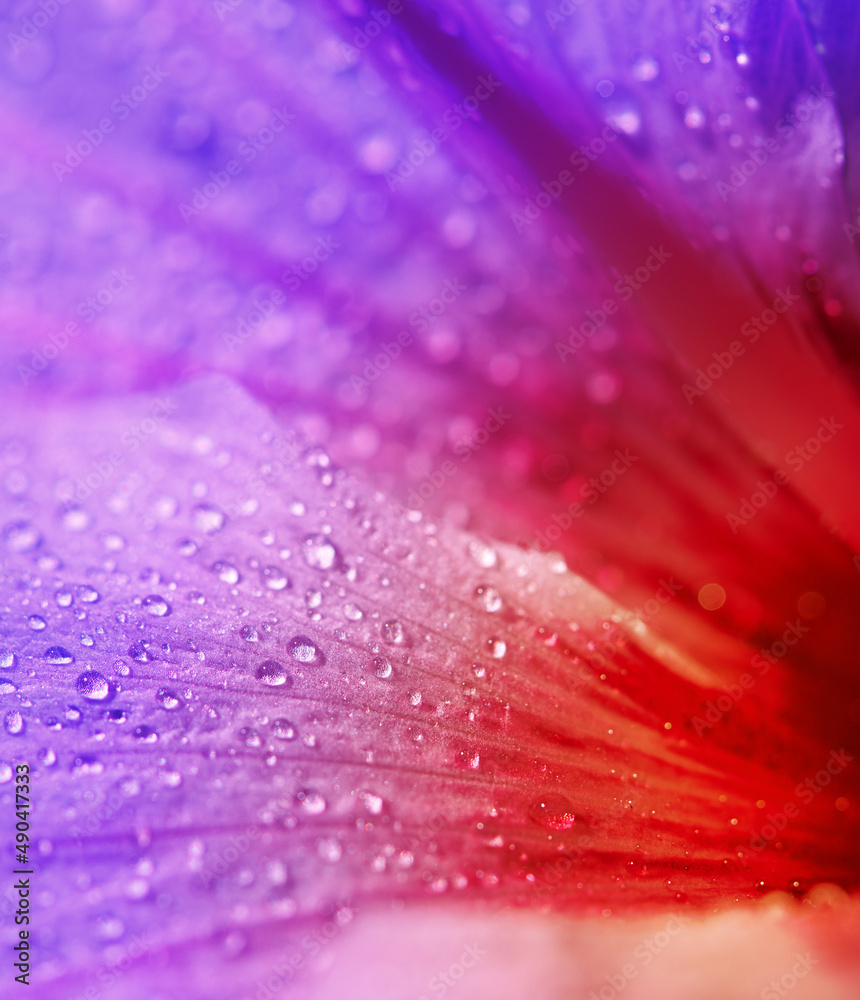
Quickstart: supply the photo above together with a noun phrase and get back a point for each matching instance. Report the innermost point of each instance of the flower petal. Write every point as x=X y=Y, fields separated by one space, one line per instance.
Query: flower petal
x=256 y=698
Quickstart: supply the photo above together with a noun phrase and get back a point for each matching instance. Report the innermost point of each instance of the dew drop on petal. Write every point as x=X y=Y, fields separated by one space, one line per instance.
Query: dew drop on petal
x=74 y=518
x=21 y=536
x=304 y=650
x=156 y=605
x=489 y=598
x=275 y=578
x=88 y=594
x=272 y=673
x=249 y=633
x=496 y=648
x=484 y=555
x=13 y=723
x=145 y=734
x=139 y=651
x=226 y=572
x=208 y=518
x=383 y=667
x=392 y=631
x=58 y=654
x=7 y=659
x=168 y=699
x=186 y=547
x=92 y=685
x=319 y=552
x=283 y=729
x=372 y=802
x=37 y=623
x=553 y=811
x=311 y=802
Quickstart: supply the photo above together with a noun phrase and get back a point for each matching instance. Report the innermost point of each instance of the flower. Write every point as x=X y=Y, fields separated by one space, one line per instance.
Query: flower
x=426 y=499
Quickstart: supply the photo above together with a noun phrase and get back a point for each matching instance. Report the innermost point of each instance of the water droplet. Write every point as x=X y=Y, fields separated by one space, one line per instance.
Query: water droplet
x=393 y=632
x=553 y=811
x=226 y=572
x=304 y=650
x=311 y=802
x=168 y=699
x=14 y=723
x=484 y=555
x=63 y=598
x=156 y=605
x=272 y=673
x=73 y=517
x=353 y=612
x=92 y=685
x=496 y=648
x=112 y=541
x=21 y=536
x=58 y=654
x=208 y=518
x=146 y=734
x=7 y=659
x=7 y=687
x=489 y=597
x=88 y=594
x=140 y=651
x=250 y=737
x=372 y=803
x=109 y=927
x=283 y=729
x=319 y=552
x=249 y=633
x=275 y=578
x=186 y=547
x=37 y=623
x=313 y=598
x=383 y=667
